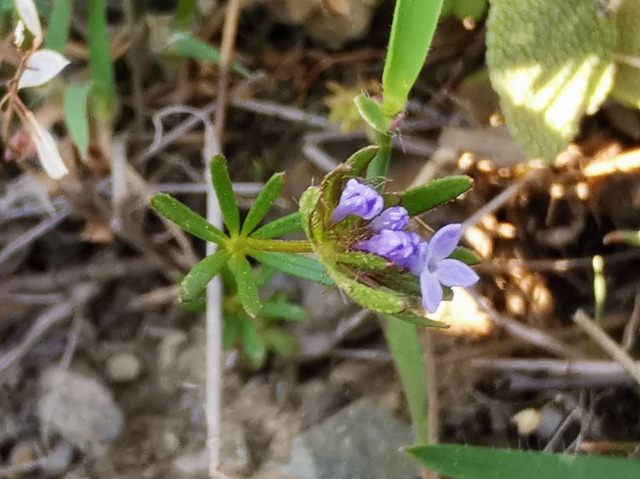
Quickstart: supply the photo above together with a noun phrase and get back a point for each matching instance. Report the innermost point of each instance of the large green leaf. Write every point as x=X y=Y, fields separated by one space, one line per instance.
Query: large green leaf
x=224 y=192
x=247 y=288
x=550 y=62
x=195 y=282
x=263 y=202
x=280 y=227
x=435 y=193
x=468 y=462
x=76 y=115
x=414 y=23
x=300 y=266
x=186 y=218
x=626 y=88
x=404 y=345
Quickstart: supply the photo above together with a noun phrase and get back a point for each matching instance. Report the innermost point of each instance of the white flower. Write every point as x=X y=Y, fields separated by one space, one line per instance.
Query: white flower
x=41 y=67
x=28 y=12
x=48 y=153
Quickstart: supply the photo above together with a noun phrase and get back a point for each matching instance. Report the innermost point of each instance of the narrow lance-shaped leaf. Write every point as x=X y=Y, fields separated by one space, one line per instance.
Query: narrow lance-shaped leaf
x=224 y=192
x=280 y=227
x=195 y=282
x=190 y=47
x=405 y=347
x=300 y=266
x=253 y=343
x=414 y=23
x=280 y=309
x=469 y=462
x=247 y=288
x=263 y=202
x=435 y=193
x=58 y=28
x=186 y=218
x=46 y=146
x=371 y=112
x=76 y=115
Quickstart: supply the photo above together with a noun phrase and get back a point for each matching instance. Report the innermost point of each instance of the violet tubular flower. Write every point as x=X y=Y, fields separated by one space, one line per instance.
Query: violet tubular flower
x=399 y=247
x=395 y=218
x=437 y=270
x=358 y=199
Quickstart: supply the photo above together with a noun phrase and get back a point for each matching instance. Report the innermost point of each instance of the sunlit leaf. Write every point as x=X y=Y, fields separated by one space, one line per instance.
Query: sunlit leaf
x=224 y=192
x=626 y=87
x=550 y=62
x=435 y=193
x=300 y=266
x=282 y=226
x=76 y=115
x=247 y=289
x=186 y=218
x=469 y=462
x=195 y=282
x=263 y=202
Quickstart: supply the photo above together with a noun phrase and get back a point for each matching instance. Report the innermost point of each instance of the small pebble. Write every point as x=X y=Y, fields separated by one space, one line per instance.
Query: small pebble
x=123 y=367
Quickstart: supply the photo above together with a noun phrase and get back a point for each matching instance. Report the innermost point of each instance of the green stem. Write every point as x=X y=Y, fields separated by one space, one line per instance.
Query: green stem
x=275 y=246
x=379 y=166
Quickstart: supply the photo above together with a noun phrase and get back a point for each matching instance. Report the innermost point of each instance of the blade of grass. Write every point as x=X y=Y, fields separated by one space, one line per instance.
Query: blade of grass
x=100 y=63
x=58 y=27
x=76 y=115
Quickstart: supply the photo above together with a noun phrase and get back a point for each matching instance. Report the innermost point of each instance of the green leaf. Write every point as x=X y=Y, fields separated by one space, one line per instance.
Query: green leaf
x=421 y=321
x=363 y=260
x=470 y=8
x=263 y=202
x=280 y=342
x=253 y=343
x=550 y=62
x=190 y=47
x=186 y=218
x=224 y=192
x=195 y=282
x=469 y=462
x=76 y=115
x=280 y=309
x=300 y=266
x=414 y=23
x=404 y=345
x=198 y=305
x=626 y=88
x=435 y=193
x=100 y=64
x=280 y=227
x=58 y=28
x=231 y=330
x=247 y=287
x=371 y=112
x=185 y=13
x=465 y=255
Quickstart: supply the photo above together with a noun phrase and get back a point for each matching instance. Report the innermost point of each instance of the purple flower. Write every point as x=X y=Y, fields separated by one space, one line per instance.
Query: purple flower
x=358 y=199
x=436 y=270
x=395 y=218
x=397 y=246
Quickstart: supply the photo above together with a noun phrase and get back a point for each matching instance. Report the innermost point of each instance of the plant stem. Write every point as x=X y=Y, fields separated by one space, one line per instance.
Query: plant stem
x=379 y=166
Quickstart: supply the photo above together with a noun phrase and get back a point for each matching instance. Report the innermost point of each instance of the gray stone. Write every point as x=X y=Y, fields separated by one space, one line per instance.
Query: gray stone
x=79 y=408
x=361 y=441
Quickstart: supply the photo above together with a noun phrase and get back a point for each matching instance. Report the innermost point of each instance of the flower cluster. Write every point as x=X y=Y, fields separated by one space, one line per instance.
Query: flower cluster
x=428 y=260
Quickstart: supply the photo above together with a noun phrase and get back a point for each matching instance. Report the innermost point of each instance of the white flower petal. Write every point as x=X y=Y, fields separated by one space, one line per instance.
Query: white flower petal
x=42 y=67
x=48 y=153
x=29 y=14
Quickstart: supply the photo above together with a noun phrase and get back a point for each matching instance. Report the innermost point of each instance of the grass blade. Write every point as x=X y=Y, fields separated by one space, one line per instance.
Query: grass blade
x=469 y=462
x=404 y=345
x=76 y=115
x=58 y=28
x=224 y=192
x=186 y=218
x=190 y=47
x=100 y=63
x=263 y=202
